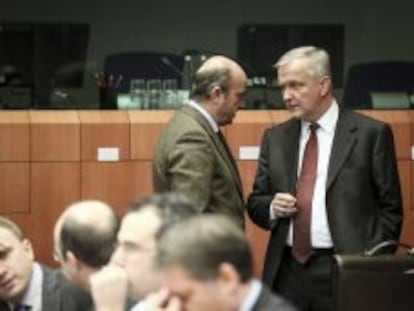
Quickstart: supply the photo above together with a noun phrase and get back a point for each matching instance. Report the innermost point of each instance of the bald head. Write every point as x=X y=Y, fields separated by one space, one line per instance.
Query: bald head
x=219 y=62
x=216 y=71
x=87 y=229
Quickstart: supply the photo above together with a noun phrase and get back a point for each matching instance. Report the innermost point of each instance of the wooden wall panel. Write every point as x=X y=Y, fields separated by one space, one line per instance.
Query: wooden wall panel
x=405 y=172
x=142 y=178
x=14 y=136
x=146 y=128
x=53 y=187
x=104 y=129
x=116 y=183
x=51 y=156
x=279 y=116
x=14 y=187
x=54 y=136
x=408 y=233
x=247 y=130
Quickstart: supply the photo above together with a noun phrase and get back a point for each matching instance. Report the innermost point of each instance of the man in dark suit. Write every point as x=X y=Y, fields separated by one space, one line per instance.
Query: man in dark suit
x=84 y=240
x=206 y=264
x=132 y=271
x=347 y=201
x=24 y=282
x=192 y=156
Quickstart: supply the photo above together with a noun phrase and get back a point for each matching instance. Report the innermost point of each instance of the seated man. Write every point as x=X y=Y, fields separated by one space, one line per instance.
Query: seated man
x=207 y=265
x=84 y=239
x=24 y=283
x=132 y=270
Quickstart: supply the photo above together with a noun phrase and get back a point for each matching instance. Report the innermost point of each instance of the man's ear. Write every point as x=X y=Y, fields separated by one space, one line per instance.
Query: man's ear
x=27 y=245
x=326 y=84
x=216 y=92
x=72 y=261
x=228 y=277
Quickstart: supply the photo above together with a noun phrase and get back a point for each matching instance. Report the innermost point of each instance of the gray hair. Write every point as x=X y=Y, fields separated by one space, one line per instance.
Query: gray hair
x=202 y=243
x=319 y=62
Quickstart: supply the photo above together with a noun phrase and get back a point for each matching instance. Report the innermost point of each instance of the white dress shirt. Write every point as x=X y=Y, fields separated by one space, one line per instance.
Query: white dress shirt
x=320 y=233
x=205 y=114
x=33 y=296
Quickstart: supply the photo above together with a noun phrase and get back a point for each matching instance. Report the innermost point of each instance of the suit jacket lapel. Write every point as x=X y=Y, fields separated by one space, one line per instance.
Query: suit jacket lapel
x=51 y=299
x=229 y=158
x=221 y=147
x=291 y=154
x=344 y=140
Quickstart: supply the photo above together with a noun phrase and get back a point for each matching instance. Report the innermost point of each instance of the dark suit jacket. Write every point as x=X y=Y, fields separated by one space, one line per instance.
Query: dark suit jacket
x=363 y=196
x=58 y=294
x=268 y=301
x=190 y=158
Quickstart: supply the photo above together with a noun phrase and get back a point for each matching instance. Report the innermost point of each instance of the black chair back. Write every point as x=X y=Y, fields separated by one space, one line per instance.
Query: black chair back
x=363 y=79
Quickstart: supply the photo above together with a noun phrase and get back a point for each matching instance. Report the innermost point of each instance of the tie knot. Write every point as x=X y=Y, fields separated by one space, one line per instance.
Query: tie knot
x=313 y=127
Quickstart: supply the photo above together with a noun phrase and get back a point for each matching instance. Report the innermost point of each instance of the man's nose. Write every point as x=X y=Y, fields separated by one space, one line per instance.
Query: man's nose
x=286 y=94
x=118 y=257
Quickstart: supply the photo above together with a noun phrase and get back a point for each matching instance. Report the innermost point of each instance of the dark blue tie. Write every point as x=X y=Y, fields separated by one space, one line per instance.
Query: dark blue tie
x=21 y=308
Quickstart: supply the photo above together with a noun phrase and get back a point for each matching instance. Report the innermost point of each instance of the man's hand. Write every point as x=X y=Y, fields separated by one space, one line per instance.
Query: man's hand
x=109 y=288
x=284 y=205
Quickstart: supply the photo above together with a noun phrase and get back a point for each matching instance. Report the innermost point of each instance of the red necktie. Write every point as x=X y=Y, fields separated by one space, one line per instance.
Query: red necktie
x=302 y=247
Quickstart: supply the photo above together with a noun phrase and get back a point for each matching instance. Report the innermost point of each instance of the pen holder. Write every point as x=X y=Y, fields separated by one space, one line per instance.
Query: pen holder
x=108 y=98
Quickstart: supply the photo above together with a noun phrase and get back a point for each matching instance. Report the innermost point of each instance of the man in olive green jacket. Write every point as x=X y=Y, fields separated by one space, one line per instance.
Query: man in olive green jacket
x=192 y=157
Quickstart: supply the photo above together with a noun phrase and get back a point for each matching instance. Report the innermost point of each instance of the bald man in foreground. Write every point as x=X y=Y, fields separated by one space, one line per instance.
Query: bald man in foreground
x=192 y=156
x=84 y=239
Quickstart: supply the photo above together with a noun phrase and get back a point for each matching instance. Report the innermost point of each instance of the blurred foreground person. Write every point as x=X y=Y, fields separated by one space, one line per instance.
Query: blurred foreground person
x=207 y=265
x=132 y=271
x=84 y=240
x=85 y=236
x=24 y=283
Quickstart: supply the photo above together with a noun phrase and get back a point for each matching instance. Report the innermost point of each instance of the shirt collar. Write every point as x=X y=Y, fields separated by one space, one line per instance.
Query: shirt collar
x=327 y=121
x=33 y=291
x=252 y=296
x=205 y=114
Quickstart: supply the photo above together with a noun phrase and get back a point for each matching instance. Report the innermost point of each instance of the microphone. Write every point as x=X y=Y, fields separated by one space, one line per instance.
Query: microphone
x=170 y=65
x=185 y=74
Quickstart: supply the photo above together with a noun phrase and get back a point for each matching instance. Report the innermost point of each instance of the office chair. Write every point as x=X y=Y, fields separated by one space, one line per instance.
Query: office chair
x=144 y=65
x=388 y=76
